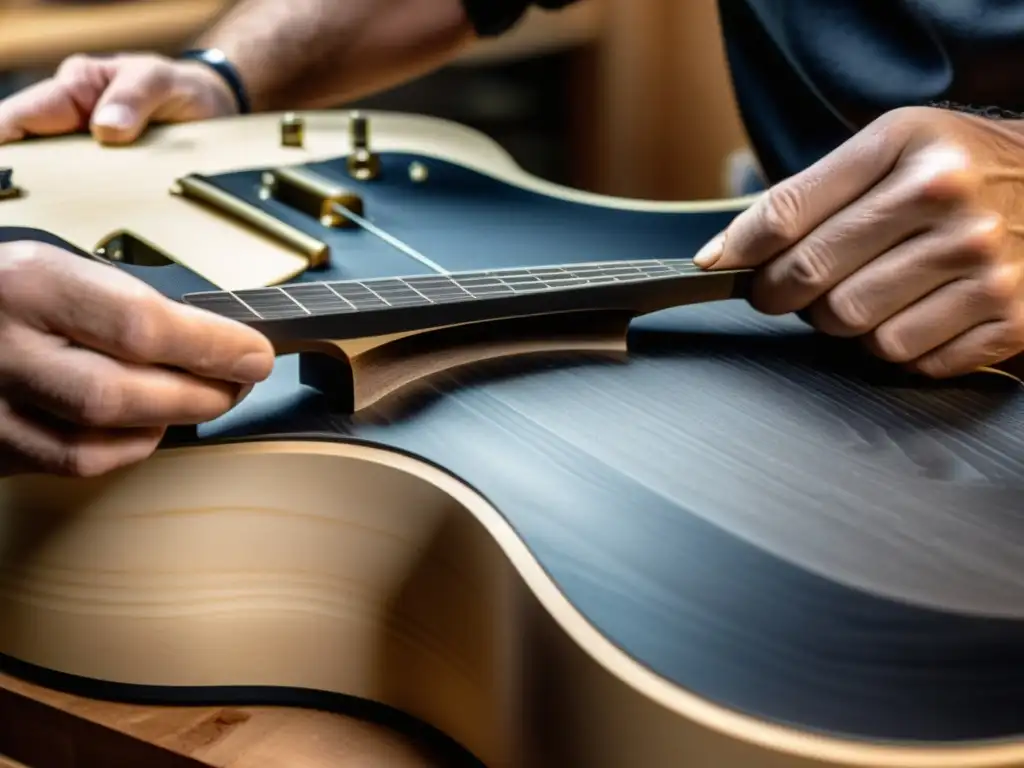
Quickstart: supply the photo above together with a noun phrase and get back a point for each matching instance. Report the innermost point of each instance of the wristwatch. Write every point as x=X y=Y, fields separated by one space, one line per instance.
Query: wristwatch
x=215 y=59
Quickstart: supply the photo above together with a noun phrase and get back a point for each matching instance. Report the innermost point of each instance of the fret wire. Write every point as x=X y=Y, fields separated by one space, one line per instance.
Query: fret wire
x=406 y=283
x=517 y=280
x=236 y=297
x=332 y=290
x=502 y=281
x=383 y=291
x=600 y=269
x=454 y=281
x=361 y=284
x=295 y=301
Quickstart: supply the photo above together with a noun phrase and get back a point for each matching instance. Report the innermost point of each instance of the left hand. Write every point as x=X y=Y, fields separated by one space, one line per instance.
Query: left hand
x=909 y=235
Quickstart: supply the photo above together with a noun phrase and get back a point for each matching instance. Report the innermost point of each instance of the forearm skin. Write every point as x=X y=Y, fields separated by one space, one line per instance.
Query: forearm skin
x=295 y=54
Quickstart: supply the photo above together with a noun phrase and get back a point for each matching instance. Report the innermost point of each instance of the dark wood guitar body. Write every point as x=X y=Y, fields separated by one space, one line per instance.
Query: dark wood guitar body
x=770 y=524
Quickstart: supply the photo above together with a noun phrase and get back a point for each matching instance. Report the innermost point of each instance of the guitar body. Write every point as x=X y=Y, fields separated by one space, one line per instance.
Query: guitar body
x=719 y=540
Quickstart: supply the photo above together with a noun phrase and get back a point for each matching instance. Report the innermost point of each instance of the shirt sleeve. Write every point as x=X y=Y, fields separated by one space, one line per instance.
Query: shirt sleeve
x=491 y=18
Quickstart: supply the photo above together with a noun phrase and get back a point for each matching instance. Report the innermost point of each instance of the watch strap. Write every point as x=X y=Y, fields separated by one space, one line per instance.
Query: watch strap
x=215 y=59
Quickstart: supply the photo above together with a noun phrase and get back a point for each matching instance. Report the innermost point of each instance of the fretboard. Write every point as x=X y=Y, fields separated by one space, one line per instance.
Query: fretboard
x=318 y=299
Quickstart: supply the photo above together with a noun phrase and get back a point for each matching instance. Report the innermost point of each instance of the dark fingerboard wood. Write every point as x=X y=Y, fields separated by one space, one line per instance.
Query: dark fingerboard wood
x=347 y=308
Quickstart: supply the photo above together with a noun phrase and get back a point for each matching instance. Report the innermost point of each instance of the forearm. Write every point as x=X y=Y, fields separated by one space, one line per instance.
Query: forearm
x=314 y=53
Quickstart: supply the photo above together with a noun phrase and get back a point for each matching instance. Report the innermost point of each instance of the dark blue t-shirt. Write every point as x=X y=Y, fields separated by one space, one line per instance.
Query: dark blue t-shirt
x=808 y=74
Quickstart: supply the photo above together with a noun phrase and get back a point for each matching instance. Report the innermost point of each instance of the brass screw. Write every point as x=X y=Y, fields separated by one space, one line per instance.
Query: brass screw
x=293 y=130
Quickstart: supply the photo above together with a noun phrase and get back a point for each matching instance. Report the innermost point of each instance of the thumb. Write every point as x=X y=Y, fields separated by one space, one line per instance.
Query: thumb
x=137 y=89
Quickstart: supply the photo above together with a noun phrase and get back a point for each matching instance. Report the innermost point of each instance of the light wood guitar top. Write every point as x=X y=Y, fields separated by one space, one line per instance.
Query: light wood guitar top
x=244 y=737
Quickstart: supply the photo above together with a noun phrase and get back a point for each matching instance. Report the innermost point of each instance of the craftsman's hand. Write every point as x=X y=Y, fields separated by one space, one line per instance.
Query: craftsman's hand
x=909 y=235
x=115 y=97
x=94 y=364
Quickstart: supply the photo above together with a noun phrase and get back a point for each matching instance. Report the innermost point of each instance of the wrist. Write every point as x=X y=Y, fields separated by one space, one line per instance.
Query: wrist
x=206 y=90
x=223 y=71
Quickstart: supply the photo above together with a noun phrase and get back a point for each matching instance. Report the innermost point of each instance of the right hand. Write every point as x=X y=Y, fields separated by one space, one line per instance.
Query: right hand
x=95 y=364
x=115 y=98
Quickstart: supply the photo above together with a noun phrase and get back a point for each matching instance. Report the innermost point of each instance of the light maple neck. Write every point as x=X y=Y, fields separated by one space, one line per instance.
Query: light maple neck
x=347 y=308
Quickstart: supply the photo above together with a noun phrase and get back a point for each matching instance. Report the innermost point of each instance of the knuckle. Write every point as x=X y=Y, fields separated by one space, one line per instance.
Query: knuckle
x=810 y=266
x=135 y=330
x=1007 y=343
x=849 y=311
x=79 y=457
x=985 y=241
x=155 y=76
x=945 y=182
x=780 y=212
x=73 y=66
x=898 y=124
x=907 y=115
x=936 y=366
x=73 y=459
x=19 y=255
x=889 y=345
x=997 y=287
x=99 y=402
x=21 y=265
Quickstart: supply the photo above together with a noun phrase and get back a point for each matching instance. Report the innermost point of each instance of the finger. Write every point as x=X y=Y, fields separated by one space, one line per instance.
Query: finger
x=102 y=308
x=907 y=273
x=791 y=209
x=58 y=105
x=948 y=312
x=90 y=389
x=139 y=86
x=27 y=444
x=919 y=195
x=983 y=345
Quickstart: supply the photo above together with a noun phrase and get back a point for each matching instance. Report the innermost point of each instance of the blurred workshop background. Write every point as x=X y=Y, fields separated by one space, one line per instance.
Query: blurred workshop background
x=622 y=97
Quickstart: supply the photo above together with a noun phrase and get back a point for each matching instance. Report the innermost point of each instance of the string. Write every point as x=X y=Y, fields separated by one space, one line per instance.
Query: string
x=373 y=229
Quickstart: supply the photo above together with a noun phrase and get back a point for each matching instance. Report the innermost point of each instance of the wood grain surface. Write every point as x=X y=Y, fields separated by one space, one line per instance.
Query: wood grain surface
x=223 y=737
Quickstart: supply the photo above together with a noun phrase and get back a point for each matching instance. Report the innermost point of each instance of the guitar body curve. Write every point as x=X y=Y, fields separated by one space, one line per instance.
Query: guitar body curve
x=744 y=544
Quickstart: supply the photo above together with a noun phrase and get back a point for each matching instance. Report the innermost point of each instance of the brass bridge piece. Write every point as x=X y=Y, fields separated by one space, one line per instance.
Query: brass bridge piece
x=8 y=190
x=363 y=163
x=313 y=194
x=128 y=248
x=197 y=189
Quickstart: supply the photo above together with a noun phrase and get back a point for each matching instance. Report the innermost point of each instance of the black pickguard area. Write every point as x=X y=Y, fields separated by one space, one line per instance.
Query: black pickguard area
x=464 y=220
x=766 y=517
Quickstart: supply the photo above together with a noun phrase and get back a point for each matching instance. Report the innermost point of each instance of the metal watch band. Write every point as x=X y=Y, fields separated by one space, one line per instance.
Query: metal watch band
x=215 y=59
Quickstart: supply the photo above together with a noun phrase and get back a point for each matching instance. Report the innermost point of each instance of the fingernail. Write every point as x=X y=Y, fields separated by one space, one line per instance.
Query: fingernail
x=114 y=116
x=711 y=251
x=253 y=367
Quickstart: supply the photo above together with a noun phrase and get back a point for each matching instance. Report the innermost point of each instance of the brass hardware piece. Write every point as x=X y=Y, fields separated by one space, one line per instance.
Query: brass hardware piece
x=196 y=188
x=128 y=248
x=313 y=194
x=363 y=163
x=8 y=190
x=418 y=172
x=293 y=130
